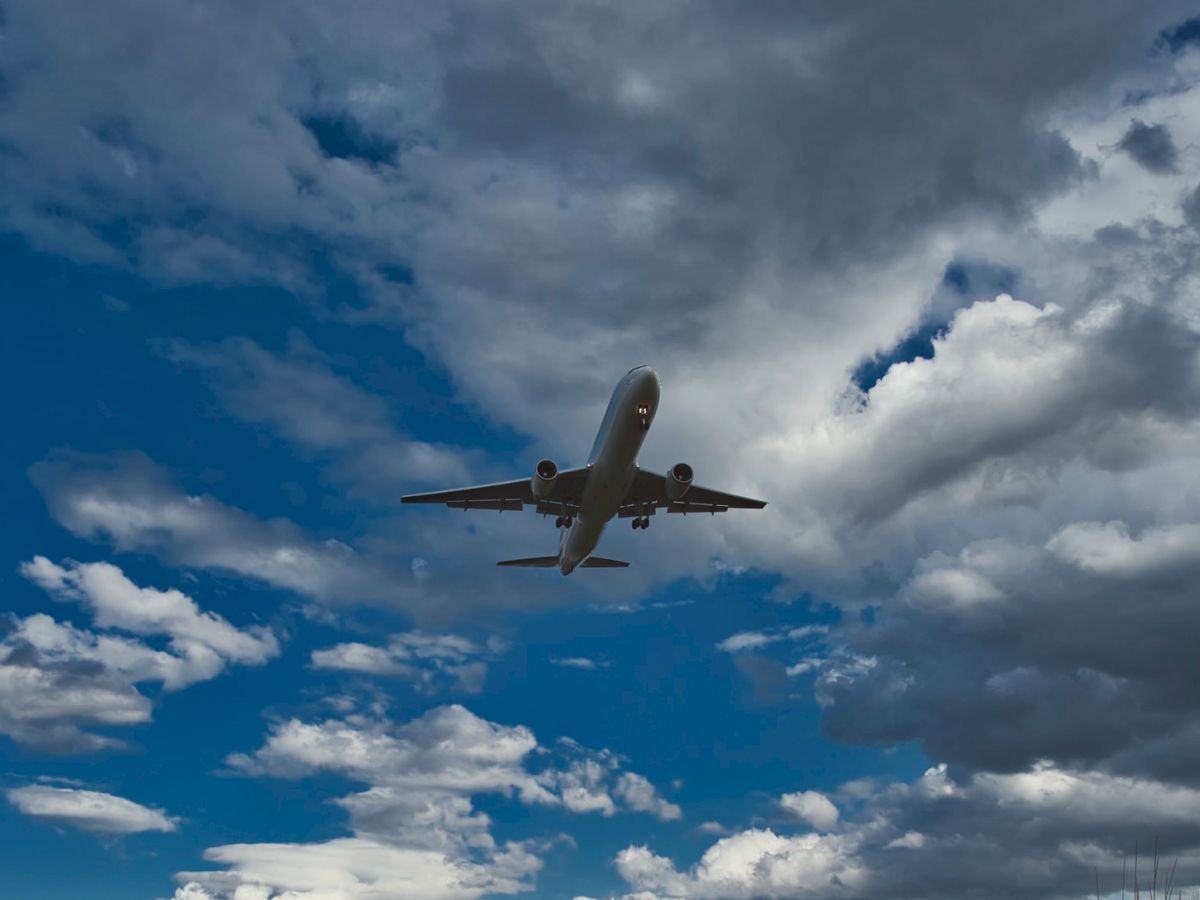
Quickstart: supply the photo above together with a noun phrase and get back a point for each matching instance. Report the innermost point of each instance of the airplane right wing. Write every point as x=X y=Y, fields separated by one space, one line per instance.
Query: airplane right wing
x=649 y=492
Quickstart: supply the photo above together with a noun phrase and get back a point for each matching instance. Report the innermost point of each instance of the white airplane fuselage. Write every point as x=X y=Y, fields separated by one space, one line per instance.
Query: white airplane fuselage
x=612 y=464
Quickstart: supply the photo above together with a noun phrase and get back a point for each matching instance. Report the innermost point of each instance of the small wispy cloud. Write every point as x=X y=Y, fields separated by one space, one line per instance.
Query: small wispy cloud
x=432 y=662
x=752 y=640
x=94 y=811
x=580 y=662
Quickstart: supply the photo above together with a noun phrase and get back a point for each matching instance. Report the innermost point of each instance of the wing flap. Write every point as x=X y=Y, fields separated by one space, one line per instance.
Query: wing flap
x=685 y=506
x=649 y=491
x=499 y=505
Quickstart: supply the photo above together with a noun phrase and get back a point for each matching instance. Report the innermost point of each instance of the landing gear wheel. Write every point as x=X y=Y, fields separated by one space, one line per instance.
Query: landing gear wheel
x=645 y=521
x=568 y=522
x=635 y=524
x=558 y=523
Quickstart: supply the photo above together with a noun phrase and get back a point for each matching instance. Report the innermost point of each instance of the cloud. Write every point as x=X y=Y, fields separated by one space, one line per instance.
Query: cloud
x=431 y=662
x=58 y=677
x=355 y=868
x=745 y=640
x=1108 y=549
x=995 y=835
x=813 y=807
x=45 y=699
x=580 y=662
x=129 y=502
x=753 y=863
x=99 y=813
x=1150 y=146
x=299 y=395
x=118 y=603
x=639 y=794
x=415 y=827
x=417 y=171
x=754 y=640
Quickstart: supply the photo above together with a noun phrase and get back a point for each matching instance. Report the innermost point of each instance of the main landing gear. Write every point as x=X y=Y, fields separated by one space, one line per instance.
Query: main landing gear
x=642 y=522
x=564 y=522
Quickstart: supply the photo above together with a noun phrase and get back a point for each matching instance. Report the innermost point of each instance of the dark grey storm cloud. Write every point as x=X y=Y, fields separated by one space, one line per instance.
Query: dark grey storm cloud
x=1191 y=208
x=1151 y=146
x=651 y=165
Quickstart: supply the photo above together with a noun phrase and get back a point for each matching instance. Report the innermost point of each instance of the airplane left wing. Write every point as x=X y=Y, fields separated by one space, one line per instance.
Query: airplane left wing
x=511 y=495
x=649 y=492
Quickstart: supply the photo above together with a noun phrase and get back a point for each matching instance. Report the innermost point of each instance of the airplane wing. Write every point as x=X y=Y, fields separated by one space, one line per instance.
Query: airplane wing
x=512 y=495
x=649 y=492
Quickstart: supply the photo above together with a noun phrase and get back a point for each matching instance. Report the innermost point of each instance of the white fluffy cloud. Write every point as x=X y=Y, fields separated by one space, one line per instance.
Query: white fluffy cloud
x=813 y=807
x=355 y=869
x=117 y=603
x=415 y=828
x=57 y=677
x=753 y=863
x=94 y=811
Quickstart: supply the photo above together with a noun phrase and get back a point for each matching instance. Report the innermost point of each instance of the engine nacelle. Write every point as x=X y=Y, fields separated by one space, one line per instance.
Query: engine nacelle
x=545 y=473
x=679 y=479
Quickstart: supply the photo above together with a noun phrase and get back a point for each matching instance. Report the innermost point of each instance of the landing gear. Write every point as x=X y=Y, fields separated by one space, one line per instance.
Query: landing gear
x=558 y=523
x=635 y=524
x=641 y=522
x=568 y=522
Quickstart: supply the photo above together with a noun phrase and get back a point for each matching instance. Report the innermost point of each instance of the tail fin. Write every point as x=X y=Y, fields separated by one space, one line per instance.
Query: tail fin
x=599 y=562
x=532 y=562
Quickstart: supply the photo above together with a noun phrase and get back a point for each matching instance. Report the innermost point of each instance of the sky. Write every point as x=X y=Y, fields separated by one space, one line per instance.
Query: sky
x=923 y=276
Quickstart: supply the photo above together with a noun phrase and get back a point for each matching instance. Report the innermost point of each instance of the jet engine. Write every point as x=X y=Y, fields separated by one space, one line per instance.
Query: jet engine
x=545 y=473
x=679 y=479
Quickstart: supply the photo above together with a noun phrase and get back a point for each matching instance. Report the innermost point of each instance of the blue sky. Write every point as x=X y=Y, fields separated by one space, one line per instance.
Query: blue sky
x=922 y=278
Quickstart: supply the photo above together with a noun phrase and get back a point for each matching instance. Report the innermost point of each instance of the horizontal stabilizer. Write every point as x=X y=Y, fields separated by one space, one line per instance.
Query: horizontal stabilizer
x=599 y=562
x=532 y=562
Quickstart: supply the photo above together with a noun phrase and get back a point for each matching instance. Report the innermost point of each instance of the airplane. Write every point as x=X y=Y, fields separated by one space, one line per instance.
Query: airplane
x=586 y=499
